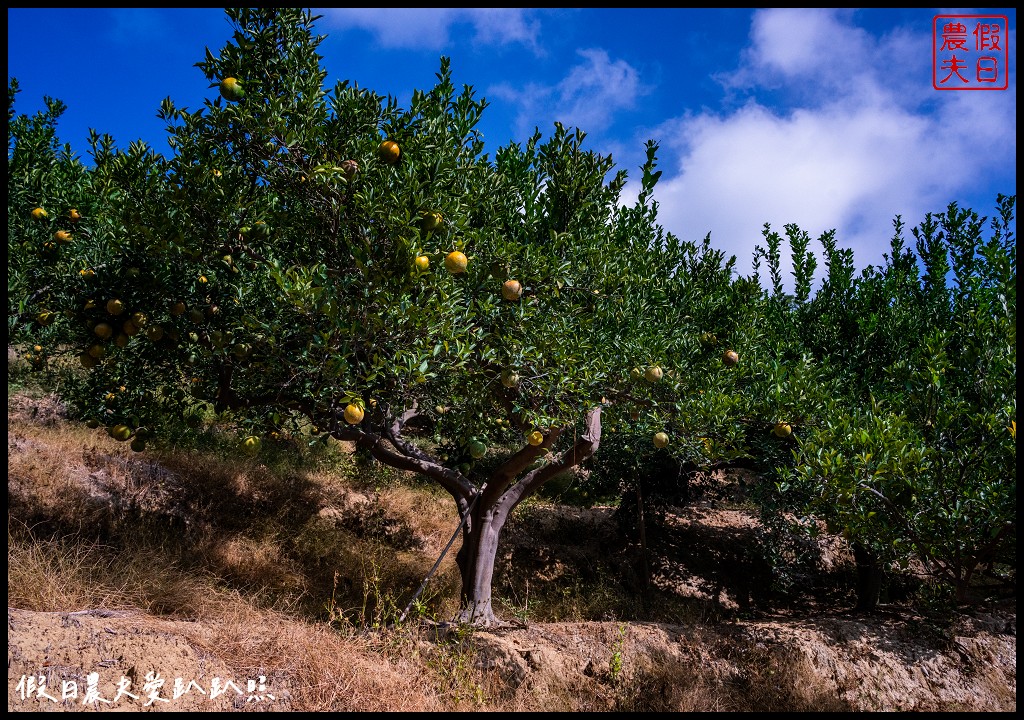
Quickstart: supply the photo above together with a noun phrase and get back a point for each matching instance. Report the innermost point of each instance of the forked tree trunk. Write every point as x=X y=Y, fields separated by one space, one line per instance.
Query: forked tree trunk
x=475 y=560
x=485 y=508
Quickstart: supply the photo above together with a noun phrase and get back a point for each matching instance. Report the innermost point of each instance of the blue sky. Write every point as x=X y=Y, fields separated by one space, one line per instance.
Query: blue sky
x=826 y=118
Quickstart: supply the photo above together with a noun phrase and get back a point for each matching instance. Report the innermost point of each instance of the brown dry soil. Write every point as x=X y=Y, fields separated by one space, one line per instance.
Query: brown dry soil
x=834 y=660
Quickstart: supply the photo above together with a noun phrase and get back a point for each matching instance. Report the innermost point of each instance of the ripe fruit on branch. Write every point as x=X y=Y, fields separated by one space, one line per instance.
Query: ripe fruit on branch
x=477 y=449
x=782 y=429
x=455 y=262
x=120 y=432
x=660 y=439
x=39 y=214
x=115 y=306
x=730 y=357
x=653 y=374
x=389 y=152
x=103 y=330
x=430 y=221
x=251 y=444
x=422 y=262
x=231 y=89
x=509 y=378
x=535 y=438
x=353 y=414
x=45 y=318
x=511 y=290
x=350 y=168
x=62 y=236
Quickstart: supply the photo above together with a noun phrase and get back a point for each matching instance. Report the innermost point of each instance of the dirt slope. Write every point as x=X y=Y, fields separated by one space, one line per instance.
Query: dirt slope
x=890 y=660
x=862 y=664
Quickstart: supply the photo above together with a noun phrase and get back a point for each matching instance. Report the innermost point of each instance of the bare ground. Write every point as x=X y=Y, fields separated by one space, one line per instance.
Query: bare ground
x=744 y=654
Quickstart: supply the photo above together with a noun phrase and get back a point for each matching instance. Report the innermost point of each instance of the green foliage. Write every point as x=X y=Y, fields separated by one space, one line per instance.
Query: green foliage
x=267 y=271
x=917 y=456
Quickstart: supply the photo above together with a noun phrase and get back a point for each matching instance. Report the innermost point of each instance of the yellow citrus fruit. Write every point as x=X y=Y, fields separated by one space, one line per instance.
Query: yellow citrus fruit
x=509 y=378
x=389 y=152
x=430 y=221
x=635 y=374
x=231 y=89
x=730 y=357
x=87 y=273
x=422 y=262
x=154 y=332
x=62 y=236
x=103 y=330
x=455 y=262
x=40 y=214
x=120 y=432
x=653 y=374
x=353 y=414
x=660 y=439
x=115 y=306
x=139 y=318
x=535 y=438
x=782 y=429
x=511 y=290
x=251 y=444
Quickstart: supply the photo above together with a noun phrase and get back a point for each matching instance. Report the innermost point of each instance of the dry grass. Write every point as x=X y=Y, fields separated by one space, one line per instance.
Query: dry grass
x=296 y=571
x=254 y=552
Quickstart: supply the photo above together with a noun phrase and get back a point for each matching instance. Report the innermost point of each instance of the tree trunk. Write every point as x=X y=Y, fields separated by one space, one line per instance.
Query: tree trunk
x=869 y=577
x=475 y=560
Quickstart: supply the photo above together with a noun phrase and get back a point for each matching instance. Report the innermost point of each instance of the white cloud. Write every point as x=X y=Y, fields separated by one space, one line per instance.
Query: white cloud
x=587 y=97
x=430 y=28
x=849 y=156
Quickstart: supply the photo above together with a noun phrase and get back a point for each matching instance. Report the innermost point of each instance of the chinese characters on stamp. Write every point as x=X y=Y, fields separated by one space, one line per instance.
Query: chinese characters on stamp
x=970 y=52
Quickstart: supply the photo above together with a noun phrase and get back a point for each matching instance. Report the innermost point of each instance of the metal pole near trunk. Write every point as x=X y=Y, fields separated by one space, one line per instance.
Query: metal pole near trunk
x=458 y=529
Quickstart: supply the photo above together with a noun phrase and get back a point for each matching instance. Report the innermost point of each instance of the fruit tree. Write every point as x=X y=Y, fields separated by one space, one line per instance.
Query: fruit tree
x=913 y=455
x=284 y=253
